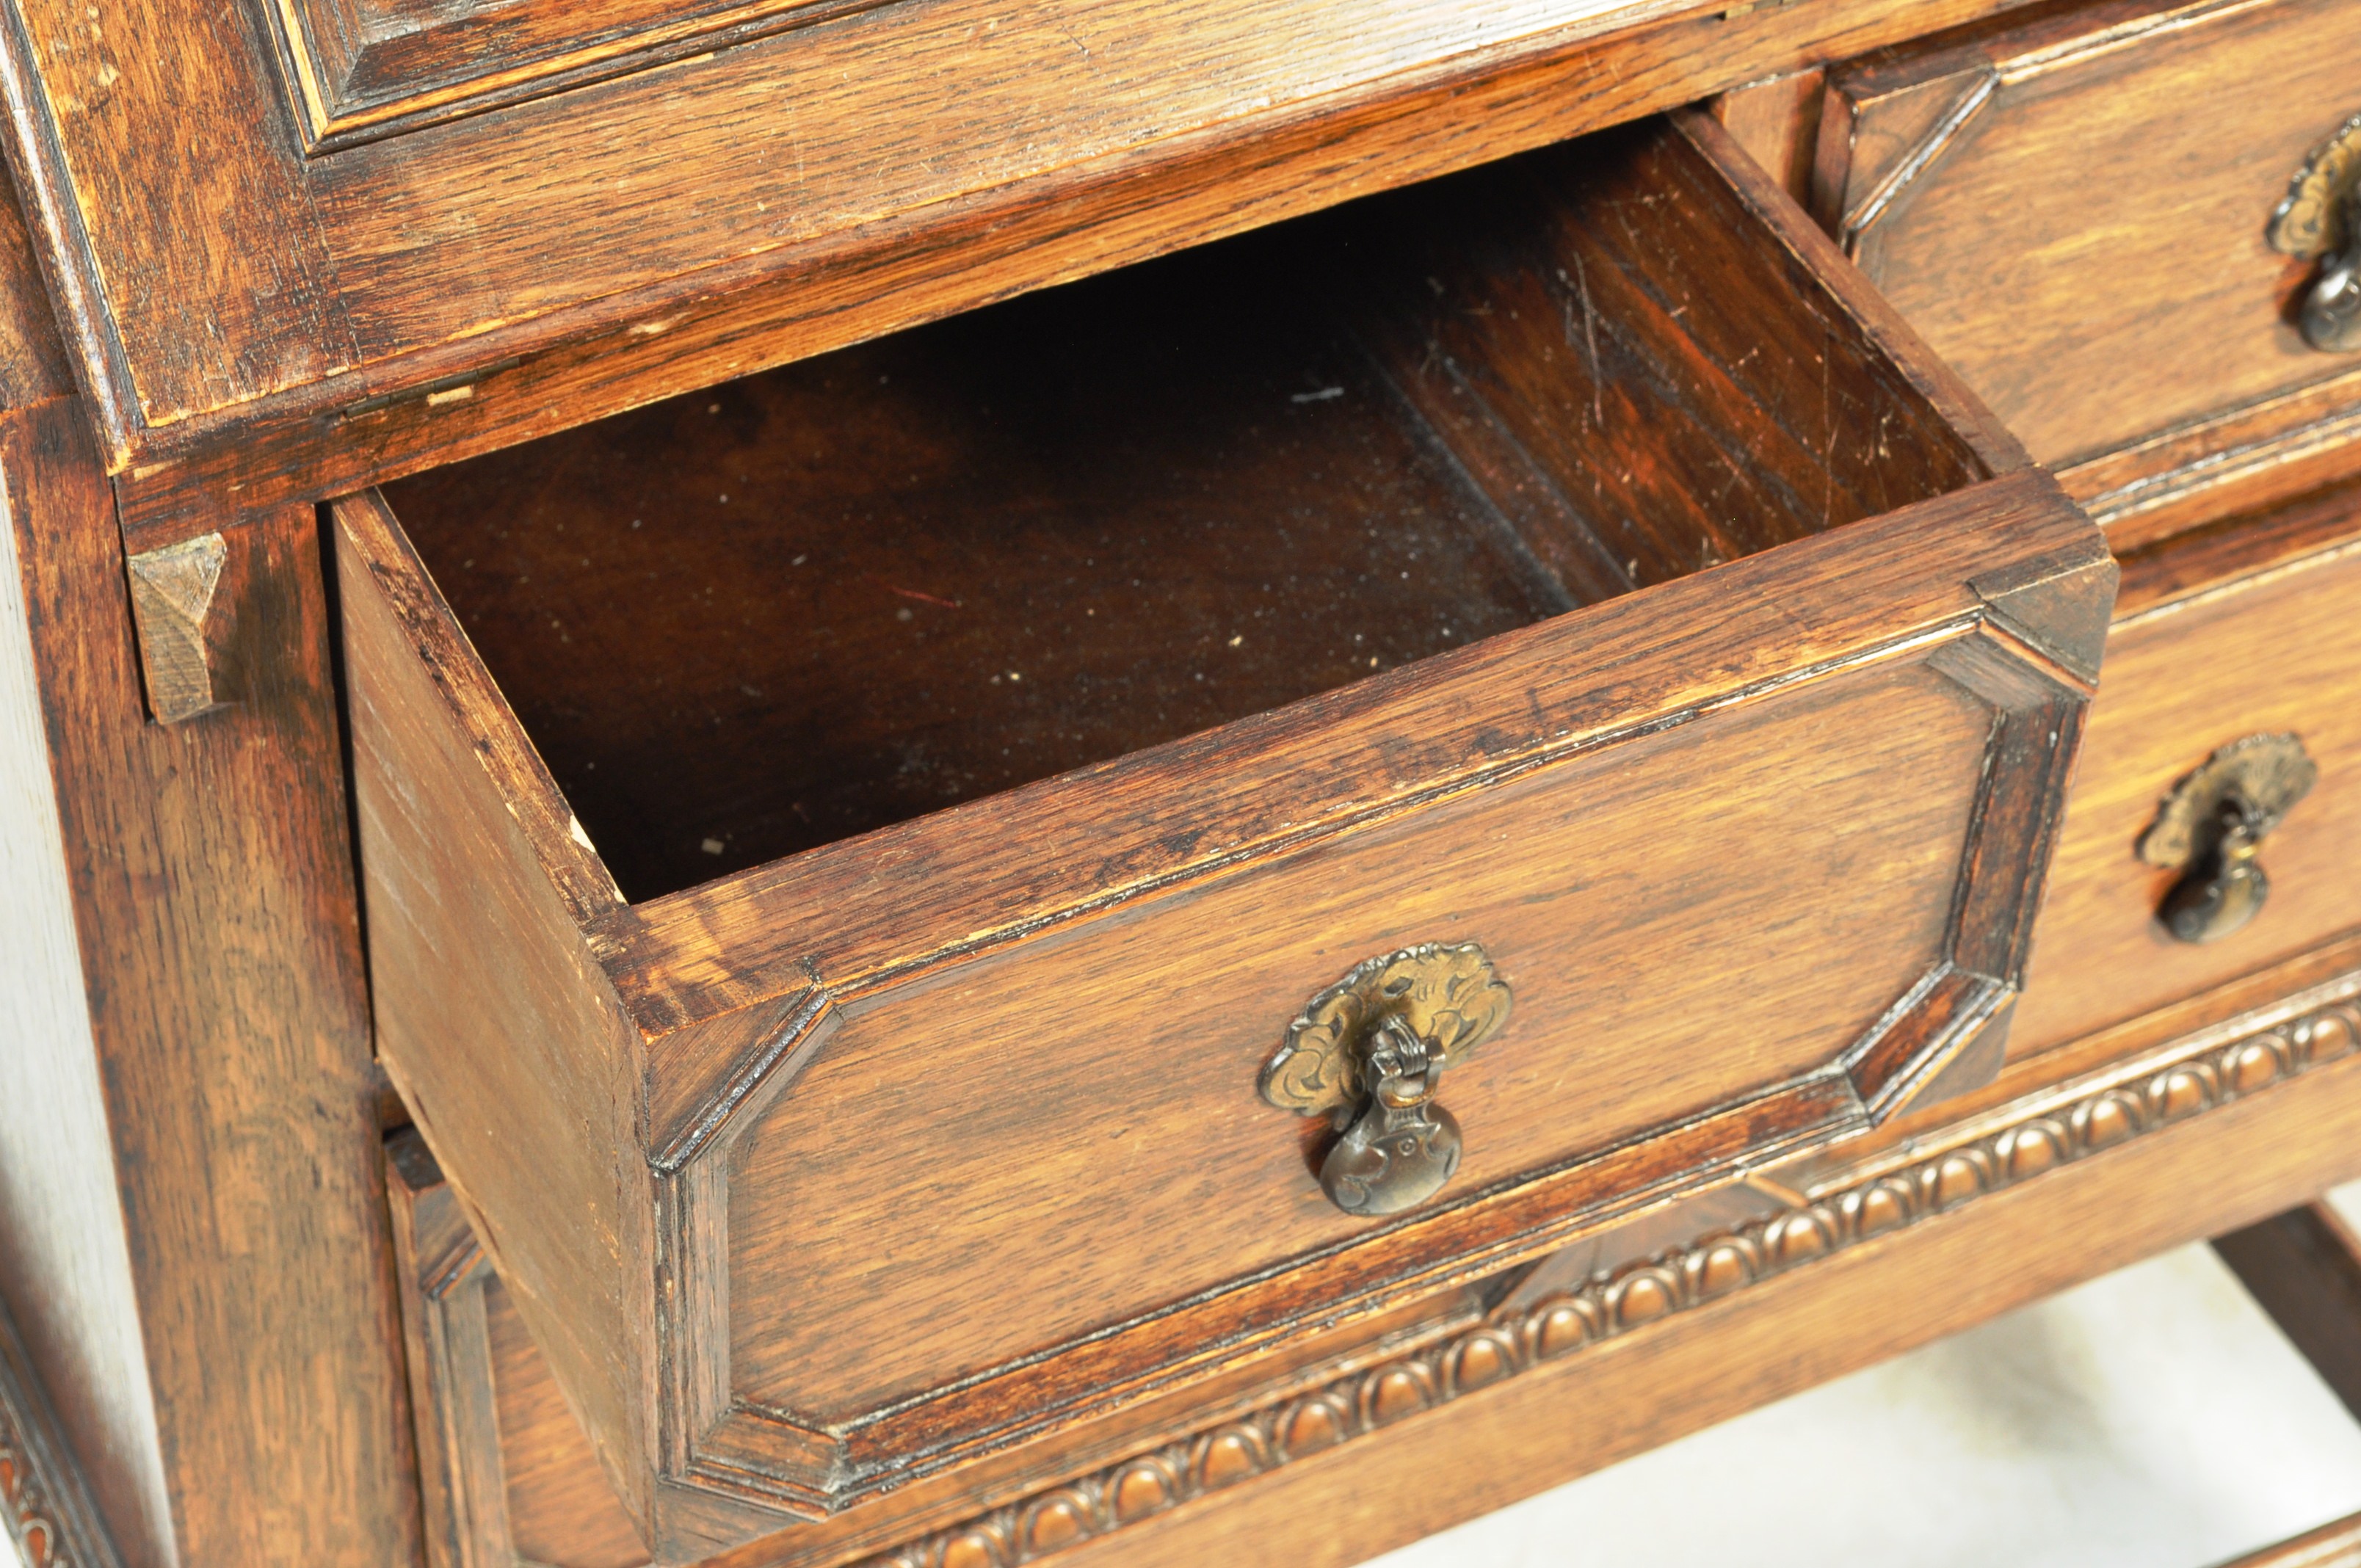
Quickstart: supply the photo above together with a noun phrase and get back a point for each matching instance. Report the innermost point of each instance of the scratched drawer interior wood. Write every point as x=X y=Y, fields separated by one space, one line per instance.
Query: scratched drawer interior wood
x=840 y=849
x=2240 y=631
x=2078 y=212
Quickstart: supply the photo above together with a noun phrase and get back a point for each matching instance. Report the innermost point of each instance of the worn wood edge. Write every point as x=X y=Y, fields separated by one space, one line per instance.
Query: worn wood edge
x=2336 y=1544
x=171 y=594
x=739 y=1456
x=2020 y=47
x=1793 y=228
x=473 y=701
x=339 y=112
x=2146 y=605
x=599 y=356
x=585 y=1288
x=38 y=170
x=658 y=952
x=2219 y=1068
x=44 y=1501
x=2128 y=33
x=2180 y=470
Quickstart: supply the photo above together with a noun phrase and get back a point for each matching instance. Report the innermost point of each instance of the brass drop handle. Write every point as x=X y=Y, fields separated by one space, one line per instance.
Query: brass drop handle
x=1370 y=1051
x=2319 y=218
x=2210 y=828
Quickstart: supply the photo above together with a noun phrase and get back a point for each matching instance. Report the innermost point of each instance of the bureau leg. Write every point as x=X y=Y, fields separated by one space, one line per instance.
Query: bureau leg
x=193 y=1231
x=2303 y=1267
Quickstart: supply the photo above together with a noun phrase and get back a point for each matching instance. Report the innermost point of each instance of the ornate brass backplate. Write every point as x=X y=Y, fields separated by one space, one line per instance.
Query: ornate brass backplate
x=1369 y=1051
x=2318 y=218
x=2211 y=828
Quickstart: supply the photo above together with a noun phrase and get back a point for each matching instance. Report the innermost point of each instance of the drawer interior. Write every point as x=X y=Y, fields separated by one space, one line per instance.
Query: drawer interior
x=817 y=601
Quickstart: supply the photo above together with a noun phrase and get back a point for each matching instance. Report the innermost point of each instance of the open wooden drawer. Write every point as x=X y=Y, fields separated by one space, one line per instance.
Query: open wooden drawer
x=843 y=852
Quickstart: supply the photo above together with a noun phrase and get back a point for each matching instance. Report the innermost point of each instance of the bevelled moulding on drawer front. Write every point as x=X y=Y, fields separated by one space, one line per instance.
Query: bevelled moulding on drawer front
x=2077 y=209
x=1571 y=558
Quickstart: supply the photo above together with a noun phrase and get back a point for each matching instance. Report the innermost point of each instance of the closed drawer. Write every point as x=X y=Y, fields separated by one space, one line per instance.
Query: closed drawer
x=2077 y=212
x=2240 y=631
x=845 y=853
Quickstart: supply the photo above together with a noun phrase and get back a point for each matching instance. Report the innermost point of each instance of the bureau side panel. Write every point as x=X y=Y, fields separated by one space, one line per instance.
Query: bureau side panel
x=213 y=901
x=65 y=1265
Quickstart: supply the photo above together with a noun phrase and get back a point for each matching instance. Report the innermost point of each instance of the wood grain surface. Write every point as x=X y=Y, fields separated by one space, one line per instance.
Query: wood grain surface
x=441 y=293
x=1796 y=1328
x=65 y=1259
x=2236 y=630
x=1109 y=516
x=214 y=900
x=2052 y=1182
x=469 y=942
x=635 y=1098
x=2072 y=210
x=1063 y=1159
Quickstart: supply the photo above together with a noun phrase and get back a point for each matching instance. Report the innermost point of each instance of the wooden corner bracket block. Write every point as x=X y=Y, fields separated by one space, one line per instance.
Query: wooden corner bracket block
x=172 y=591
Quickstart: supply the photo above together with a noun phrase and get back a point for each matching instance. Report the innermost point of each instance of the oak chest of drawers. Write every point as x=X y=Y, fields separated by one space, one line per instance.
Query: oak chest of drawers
x=864 y=782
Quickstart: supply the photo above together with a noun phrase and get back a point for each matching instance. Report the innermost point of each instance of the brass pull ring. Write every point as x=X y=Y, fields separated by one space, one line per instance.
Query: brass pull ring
x=1370 y=1051
x=2320 y=217
x=2210 y=828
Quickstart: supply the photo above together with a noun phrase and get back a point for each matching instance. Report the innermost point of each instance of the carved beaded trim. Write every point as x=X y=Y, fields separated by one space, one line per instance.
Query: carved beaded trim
x=1706 y=1269
x=27 y=1511
x=42 y=1504
x=24 y=1502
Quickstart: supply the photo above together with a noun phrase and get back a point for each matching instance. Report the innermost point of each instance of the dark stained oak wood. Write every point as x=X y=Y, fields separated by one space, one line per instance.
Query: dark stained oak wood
x=2072 y=207
x=894 y=1170
x=214 y=900
x=1875 y=1251
x=442 y=291
x=65 y=1264
x=223 y=1053
x=632 y=1098
x=2304 y=1268
x=1106 y=517
x=1633 y=1392
x=886 y=581
x=2239 y=629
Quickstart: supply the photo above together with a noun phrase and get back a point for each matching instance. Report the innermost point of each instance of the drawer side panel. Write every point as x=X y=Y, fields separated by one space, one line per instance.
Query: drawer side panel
x=501 y=1030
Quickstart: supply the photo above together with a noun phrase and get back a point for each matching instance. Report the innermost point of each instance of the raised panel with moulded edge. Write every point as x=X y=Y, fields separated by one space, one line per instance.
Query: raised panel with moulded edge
x=2027 y=1192
x=779 y=1166
x=2242 y=628
x=2074 y=210
x=363 y=69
